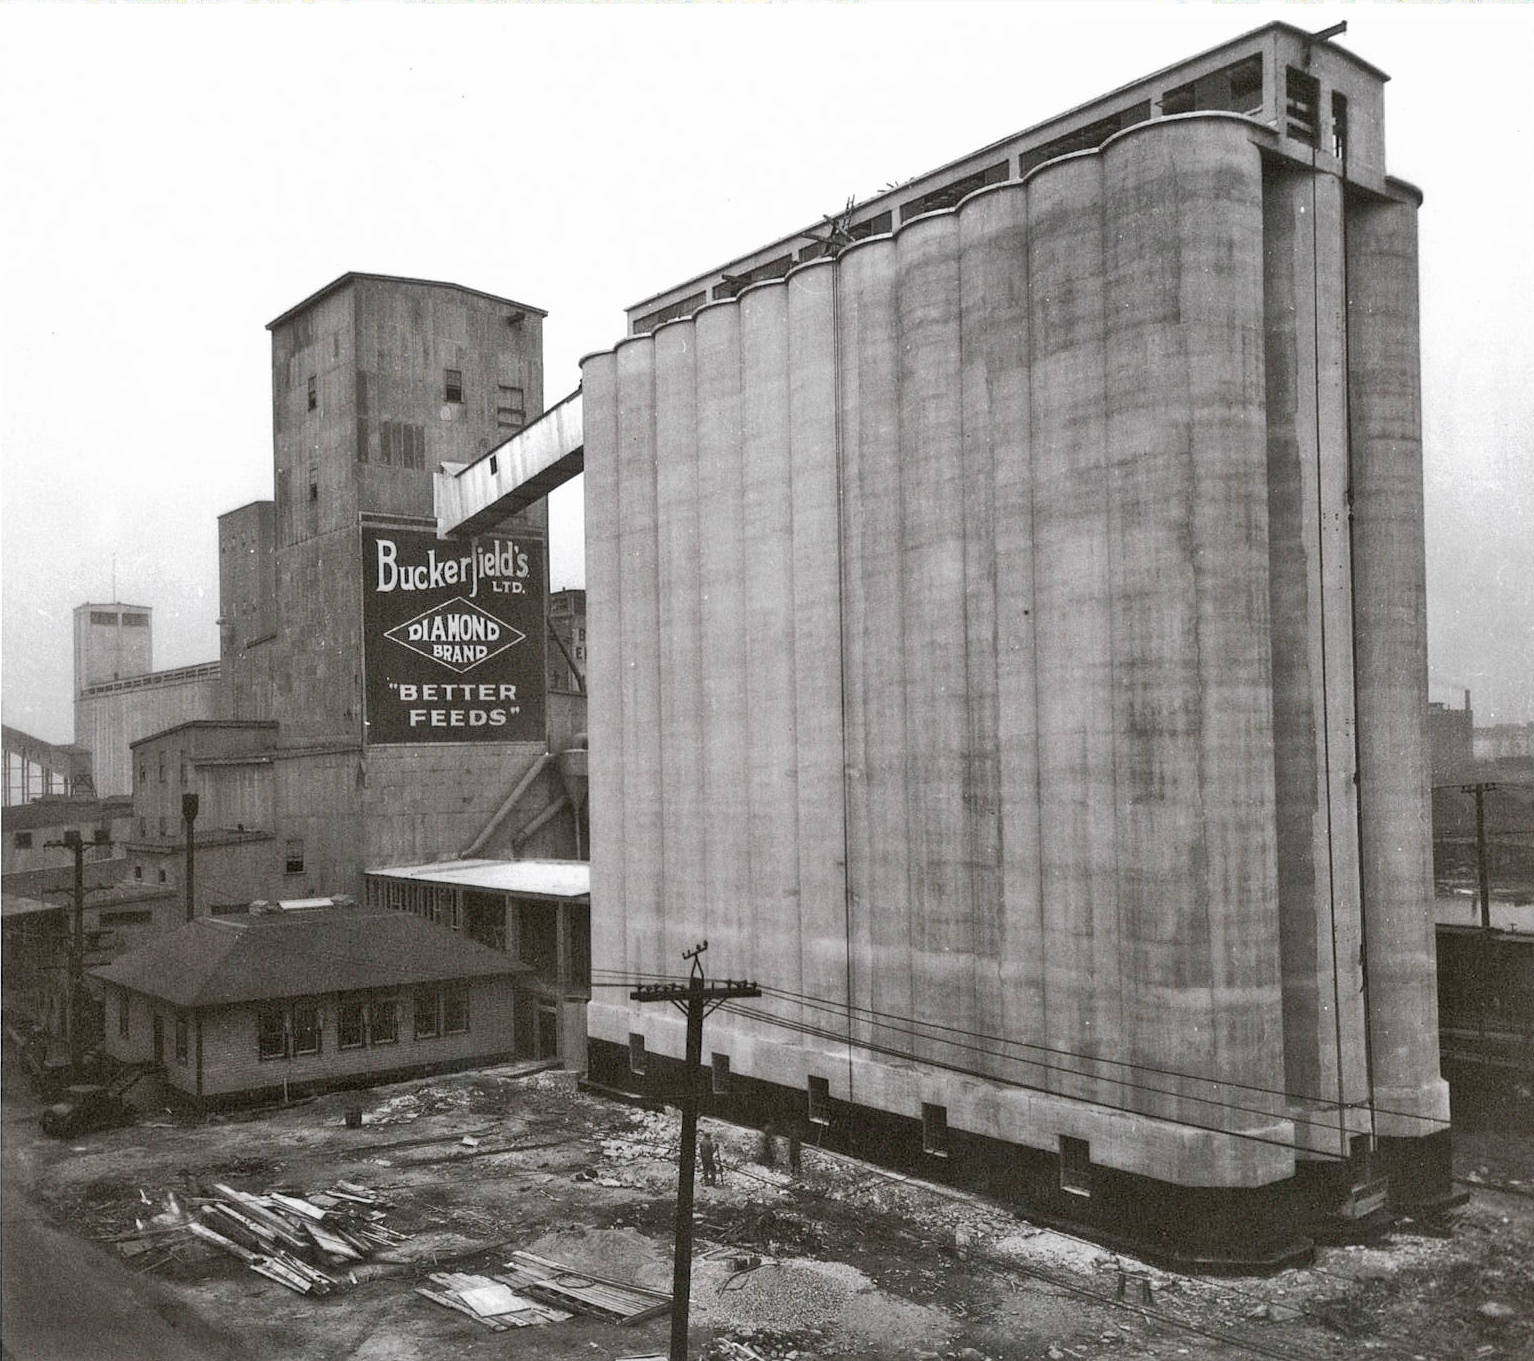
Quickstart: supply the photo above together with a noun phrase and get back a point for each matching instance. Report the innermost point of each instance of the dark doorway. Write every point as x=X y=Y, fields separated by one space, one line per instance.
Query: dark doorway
x=548 y=1031
x=484 y=919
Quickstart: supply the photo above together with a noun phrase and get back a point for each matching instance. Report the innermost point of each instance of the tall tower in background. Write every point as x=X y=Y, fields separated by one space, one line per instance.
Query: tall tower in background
x=375 y=382
x=111 y=642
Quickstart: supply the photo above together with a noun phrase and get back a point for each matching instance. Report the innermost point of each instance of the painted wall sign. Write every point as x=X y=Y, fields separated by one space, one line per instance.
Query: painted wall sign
x=454 y=635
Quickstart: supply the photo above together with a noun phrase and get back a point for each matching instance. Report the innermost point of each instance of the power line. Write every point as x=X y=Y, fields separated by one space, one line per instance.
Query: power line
x=883 y=1017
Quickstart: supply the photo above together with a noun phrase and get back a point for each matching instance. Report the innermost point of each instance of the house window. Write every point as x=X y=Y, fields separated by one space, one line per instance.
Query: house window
x=293 y=856
x=427 y=1023
x=306 y=1029
x=636 y=1054
x=162 y=767
x=23 y=841
x=452 y=385
x=719 y=1075
x=181 y=1039
x=350 y=1030
x=138 y=871
x=314 y=393
x=455 y=1011
x=1302 y=100
x=142 y=776
x=162 y=828
x=495 y=466
x=122 y=1014
x=162 y=876
x=1075 y=1166
x=383 y=1024
x=934 y=1130
x=143 y=826
x=271 y=1034
x=820 y=1100
x=314 y=482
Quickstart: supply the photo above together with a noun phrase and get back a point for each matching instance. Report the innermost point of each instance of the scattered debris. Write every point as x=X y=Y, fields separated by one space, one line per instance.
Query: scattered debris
x=287 y=1238
x=617 y=1301
x=490 y=1301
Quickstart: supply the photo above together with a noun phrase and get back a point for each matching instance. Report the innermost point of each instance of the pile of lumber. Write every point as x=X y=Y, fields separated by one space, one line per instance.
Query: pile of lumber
x=293 y=1239
x=568 y=1288
x=491 y=1301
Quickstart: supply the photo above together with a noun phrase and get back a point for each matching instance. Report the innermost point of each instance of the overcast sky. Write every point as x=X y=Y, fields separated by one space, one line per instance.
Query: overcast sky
x=172 y=177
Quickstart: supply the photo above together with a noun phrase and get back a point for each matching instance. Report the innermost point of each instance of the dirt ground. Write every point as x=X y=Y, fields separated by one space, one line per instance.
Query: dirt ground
x=842 y=1260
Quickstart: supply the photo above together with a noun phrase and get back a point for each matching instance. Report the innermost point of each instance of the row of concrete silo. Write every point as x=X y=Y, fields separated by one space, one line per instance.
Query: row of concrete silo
x=976 y=629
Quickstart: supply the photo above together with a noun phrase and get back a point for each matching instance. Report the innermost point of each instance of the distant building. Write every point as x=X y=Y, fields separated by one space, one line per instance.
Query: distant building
x=119 y=698
x=37 y=769
x=1504 y=742
x=239 y=1007
x=102 y=824
x=1450 y=740
x=567 y=656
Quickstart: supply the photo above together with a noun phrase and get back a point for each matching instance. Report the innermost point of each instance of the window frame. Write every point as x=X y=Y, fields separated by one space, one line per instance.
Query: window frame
x=719 y=1074
x=432 y=997
x=264 y=1032
x=934 y=1129
x=378 y=1006
x=452 y=386
x=1075 y=1166
x=183 y=1040
x=638 y=1056
x=455 y=997
x=317 y=1029
x=817 y=1095
x=359 y=1006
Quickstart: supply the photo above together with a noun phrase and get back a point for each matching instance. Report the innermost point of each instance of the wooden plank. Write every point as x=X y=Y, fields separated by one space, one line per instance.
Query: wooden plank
x=447 y=1302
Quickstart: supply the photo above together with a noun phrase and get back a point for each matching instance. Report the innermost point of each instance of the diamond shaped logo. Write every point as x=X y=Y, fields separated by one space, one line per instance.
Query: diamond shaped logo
x=457 y=634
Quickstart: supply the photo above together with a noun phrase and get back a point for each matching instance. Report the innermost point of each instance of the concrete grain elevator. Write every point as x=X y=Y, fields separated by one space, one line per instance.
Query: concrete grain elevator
x=1008 y=647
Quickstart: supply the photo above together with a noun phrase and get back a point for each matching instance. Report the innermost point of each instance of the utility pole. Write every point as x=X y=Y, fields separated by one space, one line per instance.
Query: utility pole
x=1484 y=944
x=692 y=998
x=188 y=817
x=1479 y=790
x=72 y=842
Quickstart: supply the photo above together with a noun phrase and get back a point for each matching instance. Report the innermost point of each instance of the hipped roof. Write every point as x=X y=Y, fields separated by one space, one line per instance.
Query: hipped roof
x=252 y=958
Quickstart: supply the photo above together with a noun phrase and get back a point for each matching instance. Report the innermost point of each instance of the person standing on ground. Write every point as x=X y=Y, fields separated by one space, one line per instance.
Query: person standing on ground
x=708 y=1153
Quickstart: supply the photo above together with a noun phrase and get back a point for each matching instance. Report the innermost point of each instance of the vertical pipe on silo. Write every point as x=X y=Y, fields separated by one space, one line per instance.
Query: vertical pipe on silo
x=885 y=913
x=931 y=569
x=1310 y=609
x=681 y=680
x=604 y=698
x=817 y=672
x=770 y=736
x=1072 y=631
x=1390 y=642
x=852 y=275
x=639 y=623
x=722 y=611
x=1001 y=778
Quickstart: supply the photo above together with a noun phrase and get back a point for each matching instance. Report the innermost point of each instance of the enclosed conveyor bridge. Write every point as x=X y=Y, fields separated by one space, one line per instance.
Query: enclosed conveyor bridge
x=473 y=497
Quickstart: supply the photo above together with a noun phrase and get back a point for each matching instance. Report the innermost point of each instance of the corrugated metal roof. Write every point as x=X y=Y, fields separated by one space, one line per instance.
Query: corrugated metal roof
x=246 y=958
x=537 y=878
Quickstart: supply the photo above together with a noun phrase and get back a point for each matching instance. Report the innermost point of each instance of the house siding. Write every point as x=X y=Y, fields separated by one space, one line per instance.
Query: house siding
x=231 y=1064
